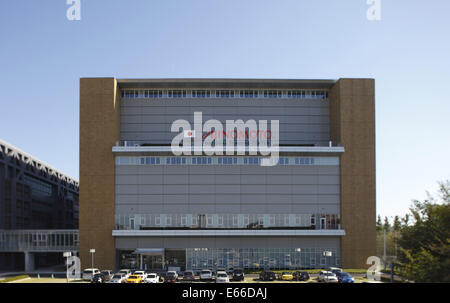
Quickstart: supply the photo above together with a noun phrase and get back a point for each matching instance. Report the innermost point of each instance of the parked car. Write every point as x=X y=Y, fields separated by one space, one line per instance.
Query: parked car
x=188 y=275
x=134 y=279
x=334 y=270
x=141 y=273
x=238 y=275
x=345 y=277
x=152 y=278
x=125 y=272
x=267 y=275
x=286 y=276
x=118 y=278
x=206 y=274
x=171 y=277
x=98 y=278
x=301 y=276
x=108 y=274
x=89 y=273
x=222 y=277
x=327 y=276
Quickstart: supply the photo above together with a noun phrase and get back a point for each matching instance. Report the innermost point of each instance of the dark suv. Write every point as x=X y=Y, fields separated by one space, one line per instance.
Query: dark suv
x=267 y=275
x=301 y=276
x=188 y=276
x=98 y=278
x=238 y=275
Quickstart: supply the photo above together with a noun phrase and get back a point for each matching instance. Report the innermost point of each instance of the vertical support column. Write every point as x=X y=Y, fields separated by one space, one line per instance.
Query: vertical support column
x=352 y=123
x=99 y=130
x=29 y=262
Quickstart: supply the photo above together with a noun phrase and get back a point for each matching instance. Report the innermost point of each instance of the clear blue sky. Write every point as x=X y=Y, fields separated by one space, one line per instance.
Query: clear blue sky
x=43 y=55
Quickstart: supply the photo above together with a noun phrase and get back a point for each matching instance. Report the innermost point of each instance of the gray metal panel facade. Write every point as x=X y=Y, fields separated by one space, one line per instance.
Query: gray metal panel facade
x=301 y=121
x=227 y=189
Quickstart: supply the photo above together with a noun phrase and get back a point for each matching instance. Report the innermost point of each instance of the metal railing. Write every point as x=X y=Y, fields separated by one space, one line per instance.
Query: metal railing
x=39 y=240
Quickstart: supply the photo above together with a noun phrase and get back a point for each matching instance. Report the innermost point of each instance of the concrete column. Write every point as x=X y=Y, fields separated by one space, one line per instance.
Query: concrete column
x=29 y=262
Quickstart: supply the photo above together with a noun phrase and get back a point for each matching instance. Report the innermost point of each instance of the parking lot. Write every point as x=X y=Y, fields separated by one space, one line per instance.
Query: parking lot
x=249 y=278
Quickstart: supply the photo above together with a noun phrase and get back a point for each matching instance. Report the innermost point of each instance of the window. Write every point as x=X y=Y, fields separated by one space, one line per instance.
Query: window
x=297 y=220
x=246 y=220
x=313 y=220
x=157 y=220
x=183 y=220
x=201 y=94
x=168 y=220
x=209 y=220
x=272 y=94
x=248 y=94
x=176 y=94
x=220 y=220
x=153 y=93
x=224 y=94
x=272 y=220
x=235 y=220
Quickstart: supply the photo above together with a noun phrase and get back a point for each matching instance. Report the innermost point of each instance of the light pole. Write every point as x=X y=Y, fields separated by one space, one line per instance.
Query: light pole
x=66 y=255
x=299 y=250
x=326 y=254
x=92 y=251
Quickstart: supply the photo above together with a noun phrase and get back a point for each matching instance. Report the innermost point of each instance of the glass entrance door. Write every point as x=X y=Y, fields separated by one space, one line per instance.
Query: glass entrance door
x=155 y=262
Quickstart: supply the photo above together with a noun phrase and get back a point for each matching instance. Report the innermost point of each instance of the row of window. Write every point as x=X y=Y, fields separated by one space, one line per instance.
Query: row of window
x=270 y=258
x=272 y=94
x=249 y=221
x=39 y=187
x=301 y=257
x=223 y=160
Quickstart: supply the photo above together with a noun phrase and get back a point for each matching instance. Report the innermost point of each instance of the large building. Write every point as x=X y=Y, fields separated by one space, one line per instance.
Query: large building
x=35 y=201
x=143 y=206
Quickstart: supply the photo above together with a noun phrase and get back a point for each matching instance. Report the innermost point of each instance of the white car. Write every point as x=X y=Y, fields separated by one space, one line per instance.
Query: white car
x=328 y=277
x=152 y=278
x=88 y=273
x=126 y=272
x=222 y=277
x=118 y=278
x=141 y=273
x=206 y=274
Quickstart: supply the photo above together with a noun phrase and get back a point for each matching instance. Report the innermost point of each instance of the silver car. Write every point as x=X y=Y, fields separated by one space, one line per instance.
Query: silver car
x=118 y=278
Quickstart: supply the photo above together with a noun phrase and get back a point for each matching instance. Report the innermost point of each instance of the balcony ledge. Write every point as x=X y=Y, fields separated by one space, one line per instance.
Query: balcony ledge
x=282 y=149
x=228 y=233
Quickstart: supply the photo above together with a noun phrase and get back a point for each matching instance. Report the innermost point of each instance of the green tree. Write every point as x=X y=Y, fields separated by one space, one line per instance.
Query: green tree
x=397 y=224
x=379 y=224
x=386 y=225
x=405 y=220
x=425 y=244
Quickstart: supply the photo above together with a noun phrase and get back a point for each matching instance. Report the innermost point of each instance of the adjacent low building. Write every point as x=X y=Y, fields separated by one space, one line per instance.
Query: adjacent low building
x=142 y=206
x=38 y=211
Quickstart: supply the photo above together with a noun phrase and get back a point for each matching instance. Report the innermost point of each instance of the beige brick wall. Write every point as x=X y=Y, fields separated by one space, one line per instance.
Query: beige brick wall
x=352 y=122
x=99 y=130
